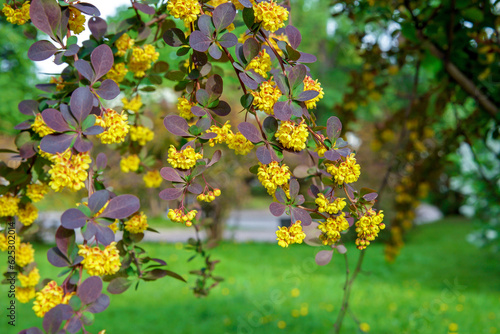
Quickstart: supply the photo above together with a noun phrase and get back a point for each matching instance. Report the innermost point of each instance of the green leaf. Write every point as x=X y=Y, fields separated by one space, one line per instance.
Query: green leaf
x=88 y=122
x=87 y=318
x=76 y=303
x=246 y=100
x=72 y=40
x=85 y=209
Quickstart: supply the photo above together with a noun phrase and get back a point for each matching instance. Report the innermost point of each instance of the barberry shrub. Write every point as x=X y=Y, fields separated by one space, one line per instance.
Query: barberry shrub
x=56 y=146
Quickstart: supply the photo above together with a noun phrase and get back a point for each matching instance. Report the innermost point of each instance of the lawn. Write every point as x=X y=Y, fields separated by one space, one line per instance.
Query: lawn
x=438 y=280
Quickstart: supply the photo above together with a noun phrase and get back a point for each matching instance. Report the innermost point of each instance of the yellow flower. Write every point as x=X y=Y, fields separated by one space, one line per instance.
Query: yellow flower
x=331 y=229
x=184 y=159
x=138 y=223
x=69 y=170
x=292 y=135
x=292 y=235
x=261 y=64
x=184 y=107
x=368 y=228
x=238 y=143
x=99 y=262
x=178 y=216
x=187 y=10
x=152 y=179
x=28 y=214
x=272 y=15
x=266 y=97
x=130 y=163
x=117 y=73
x=141 y=59
x=29 y=280
x=24 y=295
x=115 y=226
x=134 y=104
x=115 y=125
x=222 y=133
x=8 y=205
x=210 y=196
x=273 y=175
x=25 y=254
x=324 y=205
x=17 y=16
x=59 y=82
x=347 y=171
x=123 y=44
x=310 y=84
x=274 y=44
x=36 y=192
x=5 y=241
x=76 y=21
x=49 y=297
x=141 y=134
x=40 y=127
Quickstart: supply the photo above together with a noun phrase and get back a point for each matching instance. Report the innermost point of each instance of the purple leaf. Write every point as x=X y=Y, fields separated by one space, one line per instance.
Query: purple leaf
x=87 y=8
x=205 y=25
x=251 y=49
x=282 y=110
x=119 y=285
x=104 y=235
x=55 y=120
x=175 y=37
x=370 y=197
x=246 y=3
x=74 y=325
x=73 y=218
x=27 y=151
x=98 y=27
x=215 y=51
x=312 y=235
x=323 y=257
x=294 y=36
x=280 y=195
x=100 y=304
x=176 y=125
x=228 y=40
x=144 y=8
x=223 y=16
x=82 y=144
x=46 y=16
x=350 y=220
x=264 y=155
x=89 y=231
x=296 y=75
x=306 y=58
x=202 y=97
x=294 y=188
x=350 y=191
x=222 y=109
x=344 y=151
x=67 y=115
x=28 y=107
x=302 y=215
x=101 y=161
x=170 y=194
x=215 y=158
x=214 y=86
x=208 y=136
x=121 y=207
x=102 y=60
x=277 y=209
x=299 y=200
x=332 y=155
x=31 y=330
x=98 y=200
x=52 y=320
x=57 y=258
x=249 y=82
x=307 y=95
x=341 y=249
x=65 y=240
x=282 y=83
x=333 y=127
x=90 y=290
x=170 y=174
x=108 y=89
x=23 y=125
x=250 y=132
x=198 y=111
x=195 y=188
x=56 y=143
x=41 y=50
x=81 y=103
x=93 y=130
x=199 y=41
x=72 y=50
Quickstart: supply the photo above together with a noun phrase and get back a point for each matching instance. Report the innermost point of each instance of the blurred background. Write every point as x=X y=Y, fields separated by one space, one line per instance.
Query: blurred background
x=417 y=87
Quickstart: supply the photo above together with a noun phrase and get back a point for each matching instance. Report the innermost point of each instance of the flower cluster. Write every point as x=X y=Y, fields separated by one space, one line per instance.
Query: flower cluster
x=347 y=171
x=123 y=44
x=273 y=175
x=99 y=262
x=310 y=84
x=184 y=107
x=69 y=170
x=134 y=104
x=141 y=59
x=238 y=143
x=292 y=135
x=138 y=223
x=49 y=297
x=324 y=205
x=27 y=214
x=331 y=229
x=30 y=279
x=9 y=204
x=40 y=127
x=17 y=16
x=368 y=228
x=266 y=97
x=117 y=73
x=272 y=43
x=222 y=133
x=272 y=15
x=76 y=20
x=187 y=10
x=141 y=134
x=210 y=196
x=291 y=235
x=4 y=242
x=115 y=125
x=184 y=159
x=261 y=64
x=152 y=179
x=130 y=163
x=25 y=254
x=24 y=295
x=178 y=216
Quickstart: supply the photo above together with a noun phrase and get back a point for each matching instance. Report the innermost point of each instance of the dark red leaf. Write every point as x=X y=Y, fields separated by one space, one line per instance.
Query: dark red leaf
x=205 y=25
x=52 y=320
x=90 y=290
x=81 y=103
x=93 y=130
x=82 y=144
x=174 y=37
x=251 y=49
x=277 y=209
x=87 y=8
x=323 y=257
x=170 y=194
x=332 y=155
x=101 y=161
x=27 y=150
x=333 y=127
x=228 y=40
x=104 y=235
x=264 y=155
x=57 y=258
x=102 y=60
x=72 y=50
x=73 y=218
x=306 y=58
x=249 y=82
x=119 y=285
x=100 y=304
x=98 y=27
x=74 y=325
x=41 y=50
x=199 y=41
x=198 y=111
x=296 y=75
x=28 y=107
x=302 y=215
x=250 y=132
x=214 y=86
x=370 y=197
x=121 y=207
x=56 y=143
x=46 y=16
x=55 y=120
x=294 y=188
x=170 y=174
x=65 y=240
x=294 y=36
x=344 y=151
x=307 y=95
x=98 y=200
x=108 y=89
x=144 y=8
x=282 y=110
x=299 y=200
x=202 y=97
x=215 y=51
x=280 y=195
x=223 y=16
x=176 y=125
x=222 y=109
x=24 y=125
x=31 y=330
x=215 y=158
x=246 y=3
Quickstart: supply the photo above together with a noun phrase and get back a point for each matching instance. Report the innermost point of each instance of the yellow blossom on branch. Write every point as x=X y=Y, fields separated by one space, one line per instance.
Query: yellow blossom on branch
x=27 y=214
x=134 y=104
x=76 y=20
x=152 y=179
x=222 y=133
x=292 y=136
x=99 y=262
x=130 y=163
x=187 y=10
x=184 y=107
x=325 y=205
x=40 y=127
x=210 y=196
x=238 y=143
x=123 y=44
x=347 y=171
x=6 y=241
x=331 y=229
x=138 y=223
x=141 y=134
x=141 y=59
x=9 y=205
x=69 y=170
x=24 y=295
x=59 y=83
x=273 y=176
x=292 y=235
x=183 y=159
x=25 y=254
x=310 y=84
x=115 y=126
x=272 y=15
x=266 y=97
x=261 y=64
x=49 y=297
x=117 y=73
x=178 y=216
x=17 y=16
x=368 y=227
x=31 y=279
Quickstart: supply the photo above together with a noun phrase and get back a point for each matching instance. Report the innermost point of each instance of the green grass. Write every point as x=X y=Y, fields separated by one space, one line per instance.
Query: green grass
x=437 y=280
